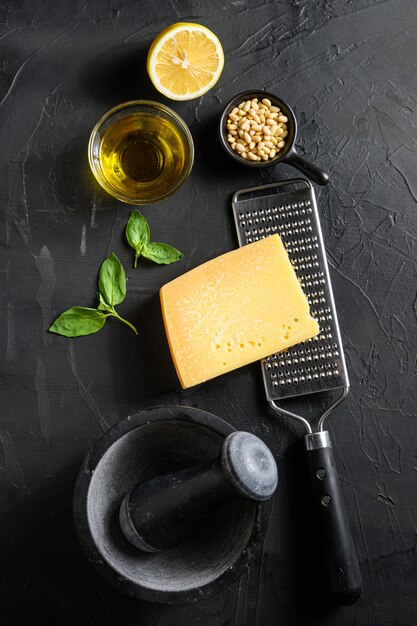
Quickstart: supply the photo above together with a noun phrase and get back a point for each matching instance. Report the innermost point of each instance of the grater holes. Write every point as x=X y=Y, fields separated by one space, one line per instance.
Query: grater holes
x=295 y=223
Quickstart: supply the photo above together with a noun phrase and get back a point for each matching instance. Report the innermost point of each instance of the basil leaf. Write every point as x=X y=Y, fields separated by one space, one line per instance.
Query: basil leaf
x=78 y=321
x=161 y=253
x=103 y=306
x=137 y=233
x=112 y=280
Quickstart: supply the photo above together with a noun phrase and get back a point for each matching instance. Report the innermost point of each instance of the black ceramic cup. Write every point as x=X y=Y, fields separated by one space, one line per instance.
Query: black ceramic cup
x=288 y=154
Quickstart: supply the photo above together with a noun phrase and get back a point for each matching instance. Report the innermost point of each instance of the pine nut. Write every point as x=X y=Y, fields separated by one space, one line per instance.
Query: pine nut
x=256 y=130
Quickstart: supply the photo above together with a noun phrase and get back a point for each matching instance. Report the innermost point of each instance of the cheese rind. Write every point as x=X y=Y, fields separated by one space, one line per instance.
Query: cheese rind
x=235 y=309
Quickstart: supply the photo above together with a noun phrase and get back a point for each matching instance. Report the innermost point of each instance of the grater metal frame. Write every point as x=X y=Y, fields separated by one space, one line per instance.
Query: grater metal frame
x=317 y=365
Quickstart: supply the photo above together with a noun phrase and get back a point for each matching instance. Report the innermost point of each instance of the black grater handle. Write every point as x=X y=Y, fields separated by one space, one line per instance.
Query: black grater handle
x=314 y=173
x=336 y=541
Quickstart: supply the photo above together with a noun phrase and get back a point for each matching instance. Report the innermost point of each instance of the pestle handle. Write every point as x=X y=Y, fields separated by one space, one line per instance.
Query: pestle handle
x=157 y=514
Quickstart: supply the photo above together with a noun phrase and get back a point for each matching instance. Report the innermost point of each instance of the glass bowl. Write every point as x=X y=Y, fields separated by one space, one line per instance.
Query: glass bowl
x=141 y=152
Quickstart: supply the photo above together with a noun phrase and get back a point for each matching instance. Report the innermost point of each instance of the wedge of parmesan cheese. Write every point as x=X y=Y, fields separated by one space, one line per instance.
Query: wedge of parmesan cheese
x=235 y=309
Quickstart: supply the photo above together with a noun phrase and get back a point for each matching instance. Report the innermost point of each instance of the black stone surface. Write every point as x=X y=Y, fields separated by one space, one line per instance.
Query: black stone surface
x=348 y=69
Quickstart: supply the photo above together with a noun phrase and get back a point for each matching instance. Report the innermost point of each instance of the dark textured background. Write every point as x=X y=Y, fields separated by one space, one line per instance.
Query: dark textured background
x=349 y=69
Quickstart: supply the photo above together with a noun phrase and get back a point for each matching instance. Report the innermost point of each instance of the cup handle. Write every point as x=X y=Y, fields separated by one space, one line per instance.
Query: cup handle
x=314 y=173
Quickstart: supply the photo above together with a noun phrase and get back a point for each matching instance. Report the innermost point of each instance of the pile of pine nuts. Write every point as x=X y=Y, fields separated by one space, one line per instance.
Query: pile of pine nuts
x=256 y=130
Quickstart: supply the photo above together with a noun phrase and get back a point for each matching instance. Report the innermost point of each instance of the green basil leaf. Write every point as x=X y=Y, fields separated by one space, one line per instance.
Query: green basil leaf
x=78 y=321
x=161 y=253
x=112 y=280
x=137 y=233
x=103 y=306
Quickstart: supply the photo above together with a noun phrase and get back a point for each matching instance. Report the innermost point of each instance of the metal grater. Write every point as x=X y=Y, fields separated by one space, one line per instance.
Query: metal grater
x=317 y=365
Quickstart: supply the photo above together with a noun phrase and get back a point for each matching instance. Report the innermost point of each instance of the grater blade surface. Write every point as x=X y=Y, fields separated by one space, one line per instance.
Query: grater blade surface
x=318 y=364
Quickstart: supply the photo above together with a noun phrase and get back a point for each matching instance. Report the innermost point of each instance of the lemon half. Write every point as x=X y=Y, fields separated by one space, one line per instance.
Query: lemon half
x=185 y=61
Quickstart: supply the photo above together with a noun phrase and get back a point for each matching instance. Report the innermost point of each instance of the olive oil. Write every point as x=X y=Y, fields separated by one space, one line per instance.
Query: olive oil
x=143 y=155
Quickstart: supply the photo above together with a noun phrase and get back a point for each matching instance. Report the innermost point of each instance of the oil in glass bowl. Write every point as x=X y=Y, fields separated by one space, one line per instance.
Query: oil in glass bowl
x=141 y=152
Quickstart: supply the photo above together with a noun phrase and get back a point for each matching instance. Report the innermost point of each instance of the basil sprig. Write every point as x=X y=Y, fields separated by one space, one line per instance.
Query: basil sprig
x=138 y=236
x=79 y=321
